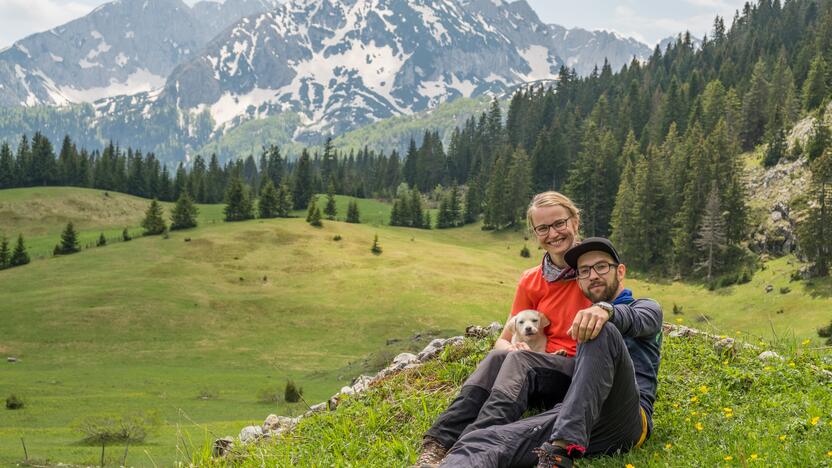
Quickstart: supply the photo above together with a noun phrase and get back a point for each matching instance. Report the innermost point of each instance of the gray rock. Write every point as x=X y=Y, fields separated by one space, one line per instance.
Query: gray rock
x=361 y=383
x=250 y=434
x=319 y=407
x=726 y=347
x=432 y=349
x=495 y=327
x=222 y=447
x=769 y=288
x=681 y=332
x=279 y=424
x=768 y=356
x=11 y=359
x=404 y=359
x=345 y=390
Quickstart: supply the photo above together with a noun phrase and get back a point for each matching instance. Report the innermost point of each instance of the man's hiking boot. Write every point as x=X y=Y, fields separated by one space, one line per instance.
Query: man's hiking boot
x=552 y=456
x=432 y=453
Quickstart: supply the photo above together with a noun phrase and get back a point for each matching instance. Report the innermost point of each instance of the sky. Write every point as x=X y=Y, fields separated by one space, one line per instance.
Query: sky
x=646 y=20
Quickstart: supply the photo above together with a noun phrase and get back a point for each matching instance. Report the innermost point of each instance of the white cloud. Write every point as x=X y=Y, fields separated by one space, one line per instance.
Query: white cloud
x=21 y=18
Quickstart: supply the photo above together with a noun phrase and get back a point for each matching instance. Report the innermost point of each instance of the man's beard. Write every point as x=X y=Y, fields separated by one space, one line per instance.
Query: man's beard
x=608 y=294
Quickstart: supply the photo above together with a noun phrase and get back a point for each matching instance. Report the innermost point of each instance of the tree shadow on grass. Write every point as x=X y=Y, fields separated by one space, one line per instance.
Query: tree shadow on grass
x=819 y=288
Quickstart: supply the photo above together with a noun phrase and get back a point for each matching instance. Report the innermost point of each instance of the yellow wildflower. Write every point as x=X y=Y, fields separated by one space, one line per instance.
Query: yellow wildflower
x=703 y=389
x=675 y=405
x=699 y=426
x=694 y=399
x=693 y=413
x=767 y=368
x=753 y=456
x=739 y=333
x=630 y=465
x=728 y=458
x=678 y=320
x=829 y=453
x=725 y=362
x=782 y=437
x=791 y=364
x=668 y=445
x=728 y=410
x=815 y=420
x=806 y=341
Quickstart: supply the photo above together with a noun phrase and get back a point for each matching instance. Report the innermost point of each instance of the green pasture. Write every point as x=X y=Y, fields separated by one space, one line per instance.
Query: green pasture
x=195 y=327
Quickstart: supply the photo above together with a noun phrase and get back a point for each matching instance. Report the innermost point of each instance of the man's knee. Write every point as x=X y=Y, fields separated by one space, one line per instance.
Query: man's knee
x=609 y=338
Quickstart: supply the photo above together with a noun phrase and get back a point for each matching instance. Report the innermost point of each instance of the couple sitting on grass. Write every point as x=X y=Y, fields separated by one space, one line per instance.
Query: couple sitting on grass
x=597 y=397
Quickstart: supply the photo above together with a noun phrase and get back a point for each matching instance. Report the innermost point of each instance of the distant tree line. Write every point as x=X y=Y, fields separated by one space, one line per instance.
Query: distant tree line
x=650 y=154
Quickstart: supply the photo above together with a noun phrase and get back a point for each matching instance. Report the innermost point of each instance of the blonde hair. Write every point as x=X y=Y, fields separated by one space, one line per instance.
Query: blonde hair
x=552 y=198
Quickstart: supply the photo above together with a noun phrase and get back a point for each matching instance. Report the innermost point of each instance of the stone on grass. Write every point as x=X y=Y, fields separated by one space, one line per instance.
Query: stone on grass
x=222 y=447
x=250 y=434
x=770 y=356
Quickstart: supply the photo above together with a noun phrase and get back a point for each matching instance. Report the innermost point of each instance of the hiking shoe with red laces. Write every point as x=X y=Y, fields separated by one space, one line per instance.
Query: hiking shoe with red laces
x=552 y=456
x=432 y=453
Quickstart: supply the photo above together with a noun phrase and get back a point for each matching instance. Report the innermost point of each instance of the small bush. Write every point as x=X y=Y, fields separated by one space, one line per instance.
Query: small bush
x=825 y=332
x=524 y=252
x=293 y=393
x=99 y=430
x=744 y=277
x=785 y=290
x=677 y=309
x=125 y=235
x=13 y=402
x=337 y=237
x=102 y=241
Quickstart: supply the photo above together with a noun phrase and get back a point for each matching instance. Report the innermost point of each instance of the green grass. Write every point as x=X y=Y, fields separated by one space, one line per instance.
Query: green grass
x=154 y=323
x=711 y=411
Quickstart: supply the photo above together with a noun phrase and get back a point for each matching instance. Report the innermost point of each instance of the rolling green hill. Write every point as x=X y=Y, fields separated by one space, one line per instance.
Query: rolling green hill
x=198 y=330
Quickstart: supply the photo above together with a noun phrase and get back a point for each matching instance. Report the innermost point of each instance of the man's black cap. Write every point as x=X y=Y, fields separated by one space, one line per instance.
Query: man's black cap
x=590 y=244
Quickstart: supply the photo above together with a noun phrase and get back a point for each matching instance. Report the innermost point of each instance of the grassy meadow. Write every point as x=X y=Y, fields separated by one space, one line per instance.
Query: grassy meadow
x=196 y=331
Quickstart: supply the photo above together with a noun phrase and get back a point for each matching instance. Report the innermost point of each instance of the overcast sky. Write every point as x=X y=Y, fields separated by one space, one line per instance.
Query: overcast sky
x=646 y=20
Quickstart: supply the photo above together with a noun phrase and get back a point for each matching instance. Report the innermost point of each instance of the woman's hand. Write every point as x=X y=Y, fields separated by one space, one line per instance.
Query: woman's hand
x=560 y=352
x=519 y=346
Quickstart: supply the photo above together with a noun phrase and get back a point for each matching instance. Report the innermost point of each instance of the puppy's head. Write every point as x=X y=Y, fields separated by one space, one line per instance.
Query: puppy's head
x=528 y=323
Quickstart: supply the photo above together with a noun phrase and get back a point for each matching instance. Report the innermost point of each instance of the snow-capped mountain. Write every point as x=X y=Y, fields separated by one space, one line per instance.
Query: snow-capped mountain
x=122 y=47
x=343 y=64
x=172 y=78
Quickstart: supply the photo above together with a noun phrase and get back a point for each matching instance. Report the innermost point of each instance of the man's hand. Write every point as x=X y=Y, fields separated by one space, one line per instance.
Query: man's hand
x=519 y=346
x=560 y=352
x=588 y=323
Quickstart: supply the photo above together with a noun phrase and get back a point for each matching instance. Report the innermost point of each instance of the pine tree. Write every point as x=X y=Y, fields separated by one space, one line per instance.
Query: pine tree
x=238 y=205
x=375 y=249
x=303 y=186
x=352 y=212
x=102 y=241
x=417 y=214
x=69 y=241
x=19 y=256
x=5 y=254
x=310 y=210
x=815 y=87
x=330 y=210
x=519 y=187
x=776 y=148
x=153 y=223
x=444 y=219
x=267 y=206
x=754 y=107
x=472 y=204
x=711 y=239
x=315 y=217
x=7 y=175
x=454 y=206
x=815 y=230
x=284 y=201
x=184 y=213
x=125 y=235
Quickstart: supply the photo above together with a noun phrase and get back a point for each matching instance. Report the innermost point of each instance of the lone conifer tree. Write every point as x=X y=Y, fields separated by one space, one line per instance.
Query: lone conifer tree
x=330 y=210
x=153 y=223
x=69 y=241
x=267 y=206
x=19 y=256
x=352 y=213
x=184 y=213
x=310 y=210
x=125 y=235
x=375 y=249
x=814 y=232
x=238 y=206
x=284 y=201
x=315 y=217
x=712 y=239
x=102 y=241
x=5 y=255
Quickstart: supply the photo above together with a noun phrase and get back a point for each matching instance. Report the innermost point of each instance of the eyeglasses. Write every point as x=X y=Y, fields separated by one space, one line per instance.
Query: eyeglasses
x=559 y=225
x=602 y=268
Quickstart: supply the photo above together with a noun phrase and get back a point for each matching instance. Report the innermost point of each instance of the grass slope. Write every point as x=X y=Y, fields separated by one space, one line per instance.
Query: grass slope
x=155 y=324
x=712 y=410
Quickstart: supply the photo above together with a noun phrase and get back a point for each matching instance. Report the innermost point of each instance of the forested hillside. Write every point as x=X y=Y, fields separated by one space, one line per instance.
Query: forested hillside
x=651 y=153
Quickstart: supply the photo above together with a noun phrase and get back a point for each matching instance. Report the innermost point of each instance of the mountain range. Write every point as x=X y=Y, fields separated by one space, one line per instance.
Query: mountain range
x=172 y=78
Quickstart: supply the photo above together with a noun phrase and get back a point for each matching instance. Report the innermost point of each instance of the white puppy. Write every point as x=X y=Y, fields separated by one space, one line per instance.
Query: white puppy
x=527 y=326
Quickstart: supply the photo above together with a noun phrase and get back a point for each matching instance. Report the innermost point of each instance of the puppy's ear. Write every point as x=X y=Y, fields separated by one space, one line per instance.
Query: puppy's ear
x=544 y=320
x=511 y=324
